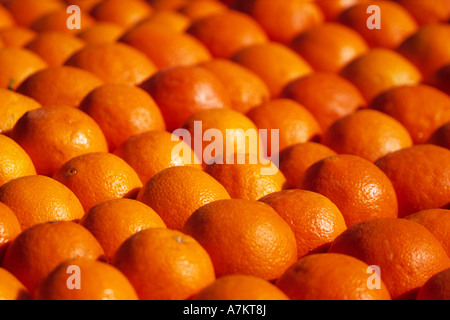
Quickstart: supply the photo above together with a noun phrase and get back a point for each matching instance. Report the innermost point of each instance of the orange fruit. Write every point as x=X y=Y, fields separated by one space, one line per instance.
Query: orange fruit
x=227 y=32
x=171 y=20
x=257 y=240
x=83 y=4
x=329 y=46
x=34 y=253
x=9 y=229
x=167 y=4
x=14 y=161
x=151 y=152
x=101 y=32
x=294 y=122
x=122 y=111
x=274 y=63
x=396 y=23
x=367 y=133
x=436 y=288
x=233 y=133
x=55 y=47
x=114 y=221
x=441 y=79
x=315 y=220
x=123 y=13
x=247 y=176
x=330 y=276
x=405 y=104
x=60 y=21
x=198 y=9
x=379 y=70
x=420 y=176
x=245 y=88
x=16 y=36
x=240 y=287
x=17 y=64
x=164 y=264
x=332 y=9
x=11 y=288
x=184 y=90
x=34 y=9
x=98 y=281
x=97 y=177
x=165 y=47
x=338 y=97
x=437 y=221
x=52 y=135
x=354 y=185
x=406 y=253
x=175 y=193
x=296 y=159
x=428 y=48
x=114 y=63
x=13 y=105
x=6 y=19
x=37 y=199
x=426 y=12
x=441 y=136
x=283 y=20
x=51 y=85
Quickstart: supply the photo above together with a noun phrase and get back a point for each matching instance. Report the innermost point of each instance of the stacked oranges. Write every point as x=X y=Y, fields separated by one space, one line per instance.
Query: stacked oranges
x=224 y=149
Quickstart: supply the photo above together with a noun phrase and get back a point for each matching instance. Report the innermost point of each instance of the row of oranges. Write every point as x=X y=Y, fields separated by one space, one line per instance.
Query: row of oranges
x=89 y=180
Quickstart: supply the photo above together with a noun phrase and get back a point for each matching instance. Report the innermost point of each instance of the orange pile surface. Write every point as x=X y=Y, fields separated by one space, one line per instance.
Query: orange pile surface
x=109 y=189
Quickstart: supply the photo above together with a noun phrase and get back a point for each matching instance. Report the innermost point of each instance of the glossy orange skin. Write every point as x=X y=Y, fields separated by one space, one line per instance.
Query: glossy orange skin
x=396 y=24
x=284 y=20
x=151 y=152
x=11 y=288
x=240 y=287
x=52 y=135
x=245 y=88
x=315 y=220
x=354 y=184
x=165 y=47
x=175 y=193
x=226 y=33
x=419 y=175
x=122 y=13
x=261 y=242
x=114 y=63
x=405 y=103
x=99 y=281
x=164 y=264
x=406 y=252
x=196 y=89
x=122 y=111
x=274 y=63
x=18 y=64
x=436 y=288
x=99 y=176
x=367 y=133
x=14 y=161
x=437 y=221
x=55 y=47
x=41 y=248
x=53 y=202
x=338 y=98
x=296 y=159
x=329 y=46
x=49 y=86
x=9 y=228
x=329 y=276
x=114 y=221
